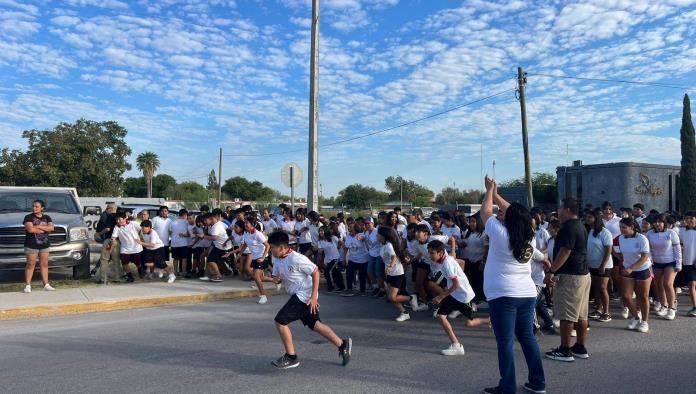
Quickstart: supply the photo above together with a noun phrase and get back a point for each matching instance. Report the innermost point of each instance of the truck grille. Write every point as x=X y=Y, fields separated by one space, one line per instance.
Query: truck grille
x=14 y=236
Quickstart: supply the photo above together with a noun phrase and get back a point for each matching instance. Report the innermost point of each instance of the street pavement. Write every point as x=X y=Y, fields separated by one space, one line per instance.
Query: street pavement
x=228 y=346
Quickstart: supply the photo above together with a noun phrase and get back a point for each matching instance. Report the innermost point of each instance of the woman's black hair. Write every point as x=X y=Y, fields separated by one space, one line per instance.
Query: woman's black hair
x=240 y=224
x=518 y=223
x=40 y=202
x=392 y=237
x=479 y=225
x=630 y=222
x=598 y=223
x=391 y=215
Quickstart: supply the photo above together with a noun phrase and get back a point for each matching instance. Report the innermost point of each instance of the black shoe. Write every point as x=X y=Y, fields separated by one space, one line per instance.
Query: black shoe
x=493 y=390
x=345 y=350
x=529 y=388
x=579 y=351
x=605 y=317
x=129 y=278
x=560 y=354
x=595 y=314
x=549 y=330
x=286 y=362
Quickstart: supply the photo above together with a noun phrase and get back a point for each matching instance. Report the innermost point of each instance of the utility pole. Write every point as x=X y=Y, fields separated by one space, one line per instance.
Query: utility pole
x=521 y=83
x=313 y=177
x=220 y=180
x=482 y=166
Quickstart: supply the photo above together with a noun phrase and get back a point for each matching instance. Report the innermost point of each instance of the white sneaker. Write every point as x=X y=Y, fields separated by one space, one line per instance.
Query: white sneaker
x=435 y=313
x=671 y=314
x=661 y=311
x=403 y=317
x=48 y=287
x=171 y=279
x=573 y=333
x=474 y=308
x=204 y=278
x=279 y=286
x=455 y=349
x=414 y=302
x=678 y=290
x=27 y=289
x=643 y=326
x=454 y=315
x=160 y=273
x=421 y=307
x=624 y=312
x=633 y=324
x=262 y=299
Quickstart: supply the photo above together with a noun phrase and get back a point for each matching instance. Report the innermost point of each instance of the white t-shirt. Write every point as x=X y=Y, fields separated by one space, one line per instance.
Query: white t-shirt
x=342 y=230
x=475 y=247
x=421 y=250
x=596 y=247
x=269 y=226
x=613 y=226
x=373 y=245
x=179 y=226
x=387 y=253
x=541 y=240
x=632 y=248
x=154 y=239
x=688 y=239
x=238 y=240
x=357 y=250
x=289 y=227
x=162 y=226
x=453 y=231
x=219 y=231
x=330 y=249
x=503 y=275
x=254 y=242
x=450 y=270
x=296 y=271
x=314 y=233
x=304 y=237
x=200 y=242
x=664 y=247
x=126 y=236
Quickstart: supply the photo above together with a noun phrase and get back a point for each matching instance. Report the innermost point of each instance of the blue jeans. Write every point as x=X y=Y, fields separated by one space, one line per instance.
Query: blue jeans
x=515 y=316
x=541 y=309
x=375 y=266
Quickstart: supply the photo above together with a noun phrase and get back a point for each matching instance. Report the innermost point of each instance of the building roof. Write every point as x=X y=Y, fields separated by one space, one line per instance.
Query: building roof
x=618 y=164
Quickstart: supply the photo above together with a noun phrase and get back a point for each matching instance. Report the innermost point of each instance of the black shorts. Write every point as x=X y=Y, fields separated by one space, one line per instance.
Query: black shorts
x=662 y=266
x=451 y=304
x=166 y=253
x=420 y=264
x=640 y=275
x=215 y=256
x=134 y=258
x=689 y=273
x=398 y=282
x=154 y=257
x=595 y=272
x=197 y=252
x=304 y=248
x=259 y=266
x=181 y=253
x=294 y=310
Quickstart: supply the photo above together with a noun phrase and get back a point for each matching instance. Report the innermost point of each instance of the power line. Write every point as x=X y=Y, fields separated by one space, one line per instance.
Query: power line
x=382 y=130
x=644 y=83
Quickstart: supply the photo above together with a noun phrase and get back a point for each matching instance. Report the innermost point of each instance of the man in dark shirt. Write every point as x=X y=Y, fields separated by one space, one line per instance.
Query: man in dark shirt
x=572 y=282
x=109 y=261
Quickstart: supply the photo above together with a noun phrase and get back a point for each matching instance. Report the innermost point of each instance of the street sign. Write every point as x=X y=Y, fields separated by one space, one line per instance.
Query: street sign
x=291 y=175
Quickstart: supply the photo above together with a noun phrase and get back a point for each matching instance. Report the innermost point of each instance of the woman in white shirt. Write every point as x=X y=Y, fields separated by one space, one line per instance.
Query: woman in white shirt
x=510 y=290
x=600 y=263
x=356 y=256
x=475 y=248
x=666 y=253
x=637 y=274
x=328 y=245
x=392 y=255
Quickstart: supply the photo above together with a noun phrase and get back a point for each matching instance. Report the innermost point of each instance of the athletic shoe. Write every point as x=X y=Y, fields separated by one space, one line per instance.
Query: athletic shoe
x=414 y=302
x=348 y=293
x=624 y=312
x=216 y=279
x=27 y=289
x=160 y=273
x=455 y=349
x=595 y=314
x=435 y=313
x=454 y=314
x=614 y=297
x=643 y=326
x=605 y=318
x=549 y=330
x=48 y=287
x=149 y=276
x=671 y=314
x=529 y=388
x=560 y=354
x=345 y=350
x=171 y=278
x=662 y=311
x=262 y=299
x=633 y=324
x=573 y=333
x=421 y=307
x=286 y=362
x=205 y=278
x=493 y=390
x=403 y=317
x=579 y=351
x=129 y=278
x=678 y=290
x=691 y=312
x=375 y=291
x=474 y=308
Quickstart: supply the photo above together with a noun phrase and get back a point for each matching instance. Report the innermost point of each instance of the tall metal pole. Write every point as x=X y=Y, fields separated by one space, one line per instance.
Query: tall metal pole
x=482 y=166
x=522 y=82
x=292 y=189
x=220 y=180
x=313 y=178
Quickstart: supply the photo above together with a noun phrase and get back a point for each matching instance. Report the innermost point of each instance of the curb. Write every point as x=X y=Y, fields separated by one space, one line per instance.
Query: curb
x=136 y=303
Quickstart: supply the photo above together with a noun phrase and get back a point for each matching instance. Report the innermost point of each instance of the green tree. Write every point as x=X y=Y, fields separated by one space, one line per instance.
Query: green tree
x=687 y=174
x=90 y=156
x=134 y=187
x=451 y=195
x=160 y=183
x=418 y=195
x=213 y=184
x=544 y=187
x=187 y=192
x=148 y=163
x=137 y=186
x=242 y=188
x=357 y=196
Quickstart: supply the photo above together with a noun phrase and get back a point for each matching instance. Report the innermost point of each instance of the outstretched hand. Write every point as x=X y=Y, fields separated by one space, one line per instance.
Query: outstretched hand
x=490 y=183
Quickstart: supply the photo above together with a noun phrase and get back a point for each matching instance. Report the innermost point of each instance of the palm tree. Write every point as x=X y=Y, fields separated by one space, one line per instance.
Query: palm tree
x=148 y=162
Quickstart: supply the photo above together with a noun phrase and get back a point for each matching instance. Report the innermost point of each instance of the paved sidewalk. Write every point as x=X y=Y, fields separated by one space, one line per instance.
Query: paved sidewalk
x=112 y=297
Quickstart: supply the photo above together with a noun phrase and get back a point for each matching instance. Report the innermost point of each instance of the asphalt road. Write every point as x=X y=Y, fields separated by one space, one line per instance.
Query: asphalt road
x=228 y=347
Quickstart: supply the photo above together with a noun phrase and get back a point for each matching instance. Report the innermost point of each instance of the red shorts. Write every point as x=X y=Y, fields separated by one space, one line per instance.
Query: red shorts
x=130 y=258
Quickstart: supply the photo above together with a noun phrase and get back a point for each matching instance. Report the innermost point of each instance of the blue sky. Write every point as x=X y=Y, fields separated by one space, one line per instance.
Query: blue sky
x=186 y=77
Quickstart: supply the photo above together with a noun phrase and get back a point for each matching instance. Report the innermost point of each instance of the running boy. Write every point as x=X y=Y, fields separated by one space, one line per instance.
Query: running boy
x=301 y=279
x=456 y=297
x=153 y=255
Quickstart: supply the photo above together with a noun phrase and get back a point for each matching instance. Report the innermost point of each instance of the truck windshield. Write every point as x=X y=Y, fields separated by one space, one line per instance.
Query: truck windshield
x=22 y=202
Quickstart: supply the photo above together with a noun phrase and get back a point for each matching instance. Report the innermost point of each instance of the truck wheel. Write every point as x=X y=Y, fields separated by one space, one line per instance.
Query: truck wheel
x=81 y=270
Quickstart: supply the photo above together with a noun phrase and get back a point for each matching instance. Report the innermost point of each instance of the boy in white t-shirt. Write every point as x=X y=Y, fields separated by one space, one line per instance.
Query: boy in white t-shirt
x=180 y=243
x=153 y=254
x=687 y=236
x=128 y=233
x=301 y=279
x=456 y=297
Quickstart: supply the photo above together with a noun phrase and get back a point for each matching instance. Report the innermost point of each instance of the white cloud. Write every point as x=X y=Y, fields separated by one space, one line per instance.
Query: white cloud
x=65 y=20
x=123 y=57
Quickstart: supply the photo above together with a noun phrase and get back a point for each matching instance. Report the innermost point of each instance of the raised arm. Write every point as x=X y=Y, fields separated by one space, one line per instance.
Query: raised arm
x=487 y=206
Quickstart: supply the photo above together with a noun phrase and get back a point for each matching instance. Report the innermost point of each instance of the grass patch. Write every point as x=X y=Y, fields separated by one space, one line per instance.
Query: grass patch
x=58 y=284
